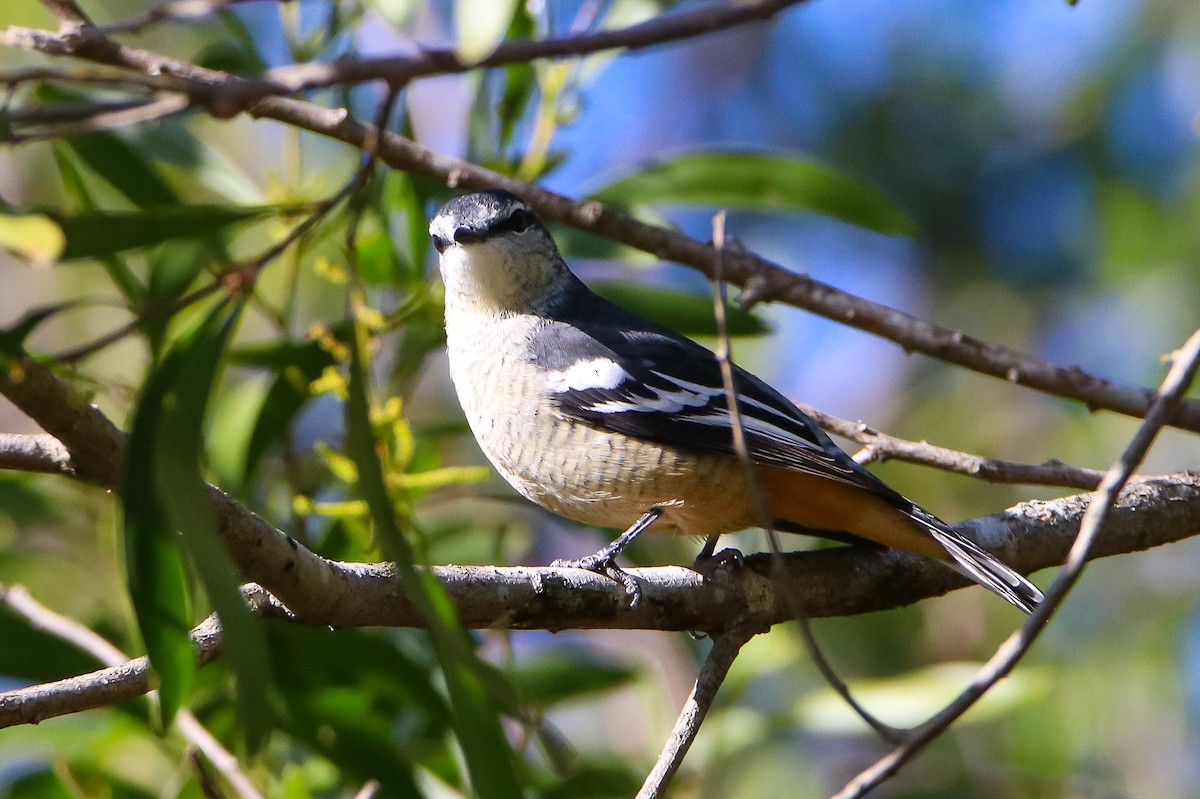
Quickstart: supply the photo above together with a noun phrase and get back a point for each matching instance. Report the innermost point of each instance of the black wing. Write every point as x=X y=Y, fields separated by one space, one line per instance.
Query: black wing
x=626 y=374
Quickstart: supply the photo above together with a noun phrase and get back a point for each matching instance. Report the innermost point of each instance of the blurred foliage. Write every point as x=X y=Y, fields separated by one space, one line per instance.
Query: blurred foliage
x=1024 y=173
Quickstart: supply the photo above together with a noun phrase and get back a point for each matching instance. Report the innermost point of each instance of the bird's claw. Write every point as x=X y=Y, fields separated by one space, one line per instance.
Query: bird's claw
x=599 y=564
x=727 y=559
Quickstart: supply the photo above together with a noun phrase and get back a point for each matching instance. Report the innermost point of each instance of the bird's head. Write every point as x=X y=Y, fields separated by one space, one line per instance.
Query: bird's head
x=496 y=253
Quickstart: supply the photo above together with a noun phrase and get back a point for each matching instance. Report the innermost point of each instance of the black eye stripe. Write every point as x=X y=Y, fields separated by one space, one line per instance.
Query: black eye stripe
x=518 y=221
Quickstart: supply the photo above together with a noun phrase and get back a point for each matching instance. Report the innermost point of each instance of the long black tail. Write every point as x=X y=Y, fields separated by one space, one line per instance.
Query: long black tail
x=980 y=565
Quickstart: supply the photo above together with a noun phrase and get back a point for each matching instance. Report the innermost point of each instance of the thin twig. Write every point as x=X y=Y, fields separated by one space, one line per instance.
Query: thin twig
x=178 y=11
x=893 y=735
x=1186 y=362
x=69 y=15
x=766 y=519
x=712 y=674
x=726 y=645
x=18 y=599
x=839 y=581
x=57 y=113
x=879 y=446
x=233 y=94
x=104 y=119
x=760 y=278
x=236 y=278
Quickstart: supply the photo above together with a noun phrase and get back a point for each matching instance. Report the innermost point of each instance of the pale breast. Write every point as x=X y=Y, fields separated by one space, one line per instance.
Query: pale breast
x=569 y=467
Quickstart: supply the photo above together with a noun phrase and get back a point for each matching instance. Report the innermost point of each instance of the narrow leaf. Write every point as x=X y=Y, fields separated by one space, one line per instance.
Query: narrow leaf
x=118 y=269
x=154 y=565
x=690 y=314
x=100 y=233
x=759 y=181
x=179 y=451
x=164 y=492
x=488 y=755
x=124 y=168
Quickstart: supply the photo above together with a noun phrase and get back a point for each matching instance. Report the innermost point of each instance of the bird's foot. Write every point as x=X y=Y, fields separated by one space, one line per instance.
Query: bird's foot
x=728 y=559
x=603 y=563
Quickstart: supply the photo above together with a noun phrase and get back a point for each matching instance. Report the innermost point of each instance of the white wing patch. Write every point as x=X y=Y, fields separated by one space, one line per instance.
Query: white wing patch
x=597 y=373
x=690 y=395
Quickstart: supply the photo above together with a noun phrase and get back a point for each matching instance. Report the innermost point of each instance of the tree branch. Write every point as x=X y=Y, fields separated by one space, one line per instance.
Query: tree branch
x=39 y=453
x=232 y=95
x=878 y=446
x=1030 y=536
x=21 y=602
x=109 y=686
x=831 y=582
x=69 y=15
x=716 y=667
x=760 y=278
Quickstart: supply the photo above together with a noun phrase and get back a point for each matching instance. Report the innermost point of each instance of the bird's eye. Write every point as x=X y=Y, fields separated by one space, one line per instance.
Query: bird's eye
x=440 y=244
x=518 y=221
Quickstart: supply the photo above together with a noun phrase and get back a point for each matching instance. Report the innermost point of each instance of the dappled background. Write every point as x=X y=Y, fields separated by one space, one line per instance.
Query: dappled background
x=1041 y=163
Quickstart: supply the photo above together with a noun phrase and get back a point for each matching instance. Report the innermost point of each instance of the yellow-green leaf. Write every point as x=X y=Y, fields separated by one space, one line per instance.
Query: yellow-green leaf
x=479 y=26
x=35 y=237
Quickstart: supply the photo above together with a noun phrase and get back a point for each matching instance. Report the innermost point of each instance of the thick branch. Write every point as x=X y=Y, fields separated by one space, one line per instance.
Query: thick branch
x=40 y=453
x=833 y=582
x=1030 y=536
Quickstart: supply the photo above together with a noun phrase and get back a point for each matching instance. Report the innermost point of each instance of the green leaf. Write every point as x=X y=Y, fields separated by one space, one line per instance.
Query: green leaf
x=689 y=314
x=759 y=181
x=15 y=335
x=287 y=395
x=118 y=269
x=154 y=566
x=355 y=697
x=124 y=168
x=35 y=237
x=557 y=677
x=164 y=486
x=488 y=755
x=93 y=235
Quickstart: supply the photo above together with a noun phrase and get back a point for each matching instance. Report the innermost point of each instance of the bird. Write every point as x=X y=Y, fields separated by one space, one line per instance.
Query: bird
x=611 y=420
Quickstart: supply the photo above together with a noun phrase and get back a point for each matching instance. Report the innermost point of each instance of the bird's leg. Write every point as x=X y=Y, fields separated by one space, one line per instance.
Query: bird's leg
x=605 y=561
x=706 y=561
x=710 y=545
